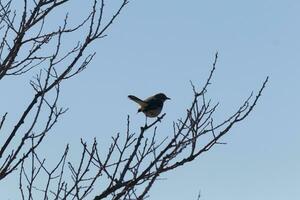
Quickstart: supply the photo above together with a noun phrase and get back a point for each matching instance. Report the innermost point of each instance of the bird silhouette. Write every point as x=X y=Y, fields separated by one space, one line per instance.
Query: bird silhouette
x=152 y=106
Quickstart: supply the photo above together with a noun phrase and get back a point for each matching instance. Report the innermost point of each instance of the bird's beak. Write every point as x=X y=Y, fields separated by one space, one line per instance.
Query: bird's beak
x=168 y=98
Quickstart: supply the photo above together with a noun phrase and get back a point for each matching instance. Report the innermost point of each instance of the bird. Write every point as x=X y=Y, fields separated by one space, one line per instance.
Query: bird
x=151 y=106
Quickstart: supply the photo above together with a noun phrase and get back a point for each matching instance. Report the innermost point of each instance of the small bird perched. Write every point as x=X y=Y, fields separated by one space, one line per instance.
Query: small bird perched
x=151 y=106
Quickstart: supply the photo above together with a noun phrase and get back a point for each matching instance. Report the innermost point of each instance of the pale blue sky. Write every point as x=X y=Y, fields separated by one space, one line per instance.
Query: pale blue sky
x=158 y=46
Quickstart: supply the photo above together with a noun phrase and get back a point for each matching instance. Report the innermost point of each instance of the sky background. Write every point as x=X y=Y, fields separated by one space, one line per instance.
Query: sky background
x=159 y=46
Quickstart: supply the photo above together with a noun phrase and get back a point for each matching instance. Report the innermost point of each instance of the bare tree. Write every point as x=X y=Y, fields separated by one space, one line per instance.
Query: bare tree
x=131 y=165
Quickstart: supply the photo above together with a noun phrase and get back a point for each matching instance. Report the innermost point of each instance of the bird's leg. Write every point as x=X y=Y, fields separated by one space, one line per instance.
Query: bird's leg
x=146 y=121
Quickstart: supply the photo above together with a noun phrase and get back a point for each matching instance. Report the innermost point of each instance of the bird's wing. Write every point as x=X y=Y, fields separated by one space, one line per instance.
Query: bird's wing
x=137 y=100
x=153 y=104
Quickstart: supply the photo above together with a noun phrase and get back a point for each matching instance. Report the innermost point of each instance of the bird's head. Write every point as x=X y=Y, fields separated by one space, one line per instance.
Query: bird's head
x=162 y=96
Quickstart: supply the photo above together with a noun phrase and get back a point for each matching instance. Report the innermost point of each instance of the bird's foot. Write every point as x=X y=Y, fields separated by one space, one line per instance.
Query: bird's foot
x=158 y=119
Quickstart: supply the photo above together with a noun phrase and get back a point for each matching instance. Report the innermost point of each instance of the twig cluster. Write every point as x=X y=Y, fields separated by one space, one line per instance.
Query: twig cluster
x=26 y=45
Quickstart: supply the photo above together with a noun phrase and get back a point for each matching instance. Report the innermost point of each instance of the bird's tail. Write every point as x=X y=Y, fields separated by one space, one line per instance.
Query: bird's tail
x=137 y=100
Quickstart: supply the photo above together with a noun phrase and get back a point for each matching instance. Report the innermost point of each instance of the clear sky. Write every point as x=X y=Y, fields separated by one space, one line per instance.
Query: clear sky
x=159 y=46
